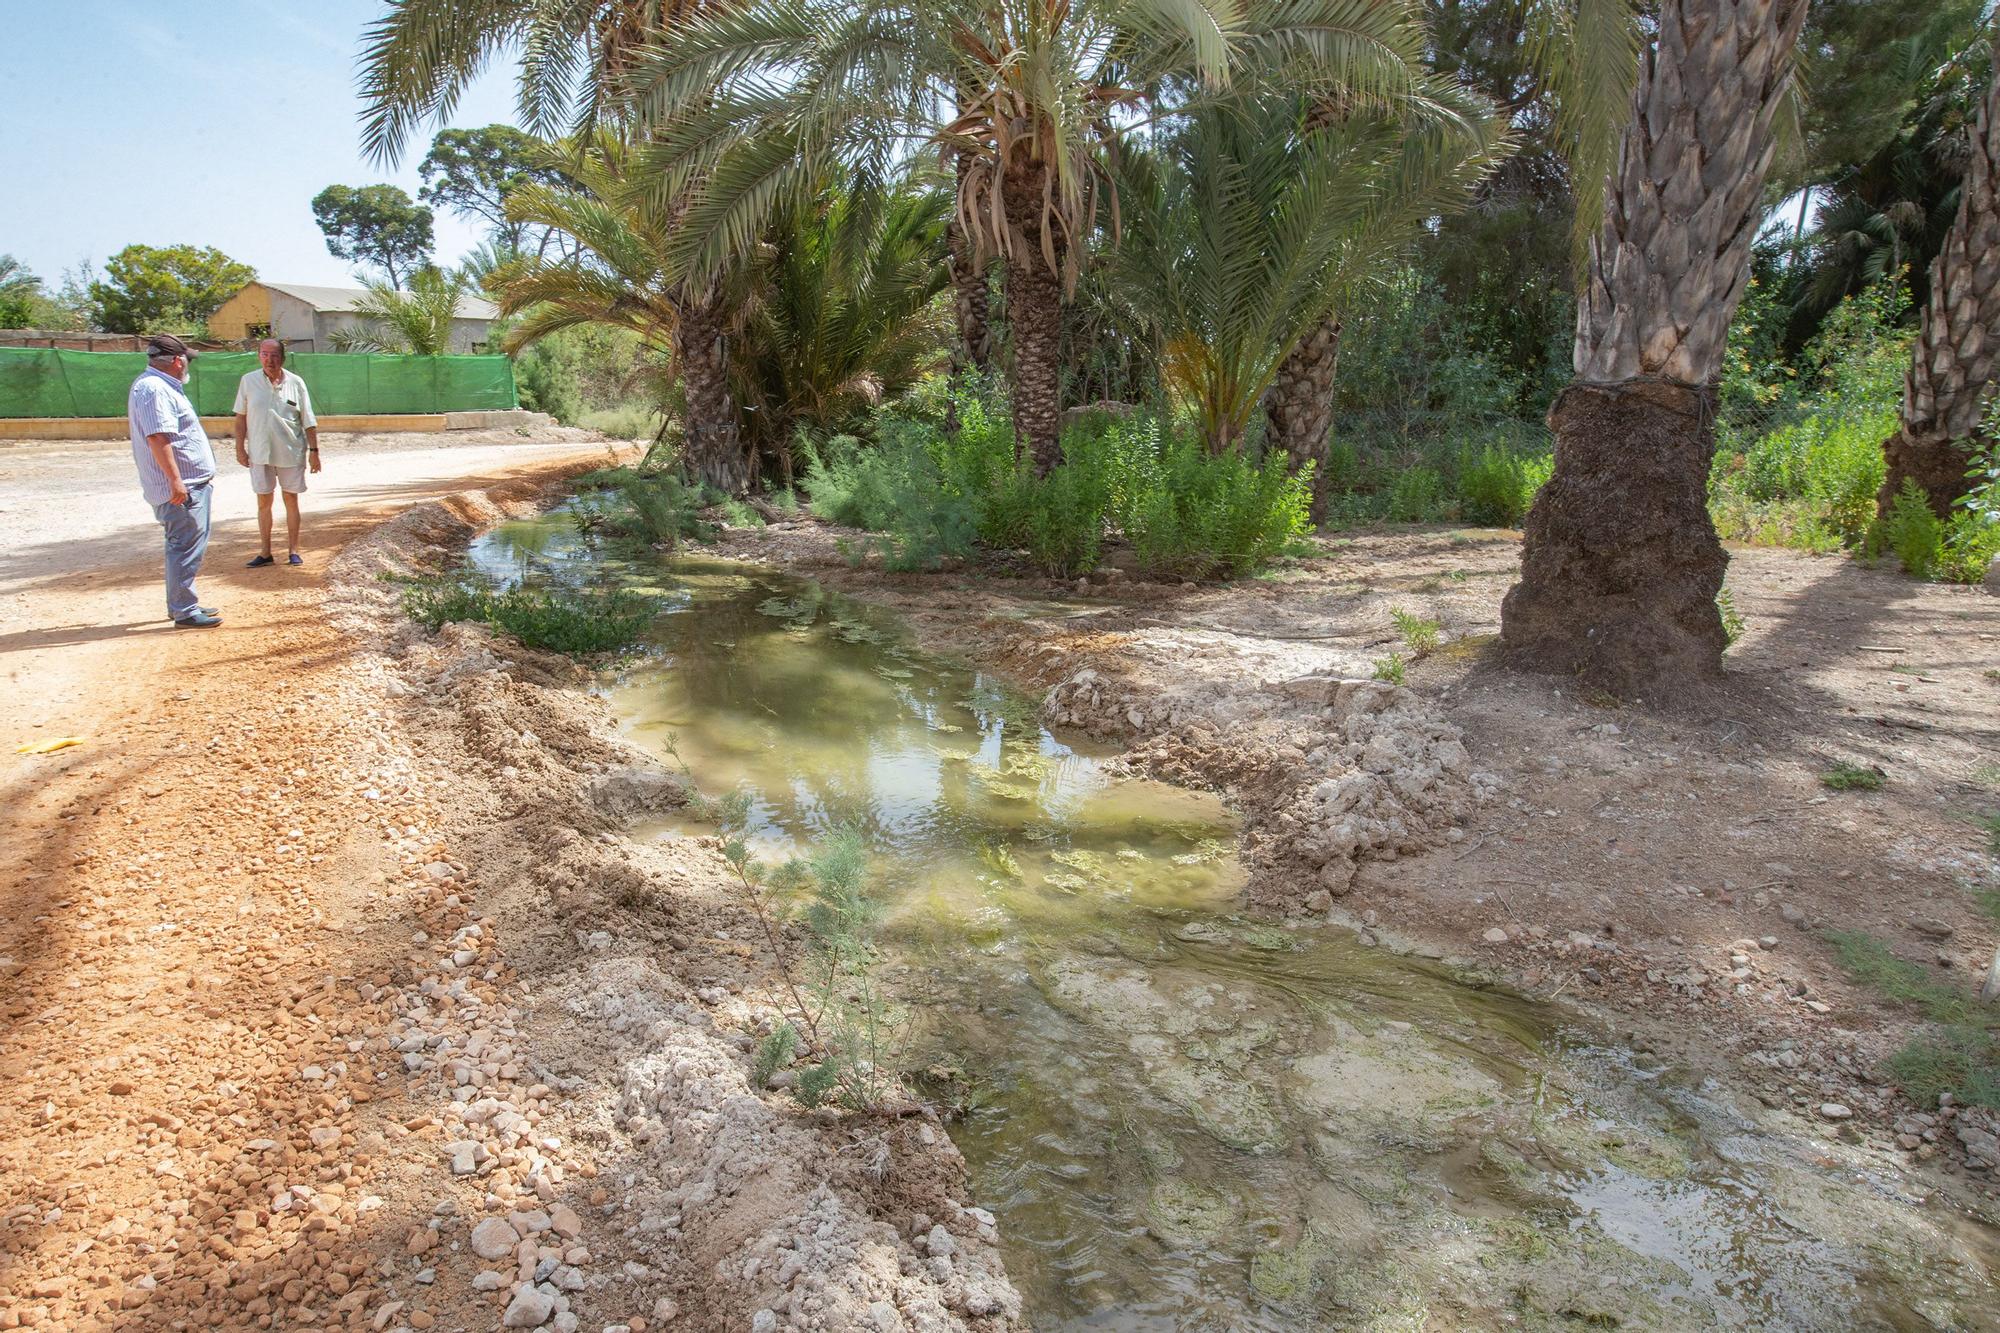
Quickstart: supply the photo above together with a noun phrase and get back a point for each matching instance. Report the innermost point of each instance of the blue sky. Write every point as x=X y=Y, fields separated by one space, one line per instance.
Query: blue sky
x=91 y=160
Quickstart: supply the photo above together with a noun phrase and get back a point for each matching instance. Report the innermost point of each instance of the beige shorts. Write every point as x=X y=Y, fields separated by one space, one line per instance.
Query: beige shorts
x=264 y=478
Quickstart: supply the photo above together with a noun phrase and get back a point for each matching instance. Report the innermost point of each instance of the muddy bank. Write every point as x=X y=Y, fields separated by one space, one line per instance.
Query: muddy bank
x=631 y=983
x=1687 y=877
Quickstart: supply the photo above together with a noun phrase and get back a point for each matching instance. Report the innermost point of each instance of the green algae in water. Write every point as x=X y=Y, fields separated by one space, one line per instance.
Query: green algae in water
x=1189 y=1119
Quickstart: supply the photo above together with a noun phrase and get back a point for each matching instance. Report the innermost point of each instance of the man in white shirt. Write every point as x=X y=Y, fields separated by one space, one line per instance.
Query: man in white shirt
x=277 y=438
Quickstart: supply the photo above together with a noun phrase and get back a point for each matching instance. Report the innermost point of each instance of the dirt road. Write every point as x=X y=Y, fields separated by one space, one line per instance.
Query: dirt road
x=183 y=951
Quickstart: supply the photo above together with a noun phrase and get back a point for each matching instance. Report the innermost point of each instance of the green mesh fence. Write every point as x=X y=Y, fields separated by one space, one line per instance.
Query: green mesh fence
x=41 y=382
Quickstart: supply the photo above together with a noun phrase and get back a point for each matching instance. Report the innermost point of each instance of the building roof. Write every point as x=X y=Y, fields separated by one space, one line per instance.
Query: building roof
x=339 y=299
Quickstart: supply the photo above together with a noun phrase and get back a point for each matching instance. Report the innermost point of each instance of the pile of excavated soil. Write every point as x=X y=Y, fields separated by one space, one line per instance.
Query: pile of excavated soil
x=640 y=983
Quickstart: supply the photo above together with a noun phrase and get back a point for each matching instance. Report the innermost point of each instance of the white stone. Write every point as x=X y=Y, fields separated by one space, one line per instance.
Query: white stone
x=493 y=1238
x=1494 y=935
x=1834 y=1111
x=530 y=1308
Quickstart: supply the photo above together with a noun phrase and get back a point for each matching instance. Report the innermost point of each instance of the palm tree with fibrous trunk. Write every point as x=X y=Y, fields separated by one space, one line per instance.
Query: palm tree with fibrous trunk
x=1430 y=155
x=1621 y=566
x=619 y=274
x=1247 y=222
x=1952 y=367
x=1029 y=100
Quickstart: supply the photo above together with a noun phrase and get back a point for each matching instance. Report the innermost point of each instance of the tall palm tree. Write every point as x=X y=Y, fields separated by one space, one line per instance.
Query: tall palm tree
x=1429 y=161
x=842 y=313
x=619 y=273
x=1952 y=367
x=412 y=321
x=1621 y=565
x=1248 y=222
x=1030 y=98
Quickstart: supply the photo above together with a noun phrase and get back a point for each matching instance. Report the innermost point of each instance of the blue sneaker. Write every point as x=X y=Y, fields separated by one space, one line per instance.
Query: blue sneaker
x=197 y=619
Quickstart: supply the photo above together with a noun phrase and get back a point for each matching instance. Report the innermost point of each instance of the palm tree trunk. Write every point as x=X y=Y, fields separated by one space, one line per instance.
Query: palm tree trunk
x=714 y=453
x=1621 y=566
x=969 y=293
x=1952 y=366
x=1299 y=408
x=1034 y=320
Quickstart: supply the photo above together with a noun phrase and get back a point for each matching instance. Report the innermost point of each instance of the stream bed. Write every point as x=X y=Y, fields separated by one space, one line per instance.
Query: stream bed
x=1189 y=1118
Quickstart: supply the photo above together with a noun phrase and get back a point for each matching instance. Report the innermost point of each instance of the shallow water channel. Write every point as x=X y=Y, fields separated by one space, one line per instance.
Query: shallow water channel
x=1188 y=1118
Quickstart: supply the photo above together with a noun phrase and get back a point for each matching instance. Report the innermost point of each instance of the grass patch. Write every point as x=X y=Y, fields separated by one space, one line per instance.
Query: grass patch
x=1844 y=776
x=1390 y=668
x=1958 y=1056
x=578 y=622
x=626 y=421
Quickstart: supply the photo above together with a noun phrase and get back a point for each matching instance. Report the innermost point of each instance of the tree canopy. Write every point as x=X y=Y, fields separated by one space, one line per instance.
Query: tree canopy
x=375 y=225
x=172 y=288
x=471 y=173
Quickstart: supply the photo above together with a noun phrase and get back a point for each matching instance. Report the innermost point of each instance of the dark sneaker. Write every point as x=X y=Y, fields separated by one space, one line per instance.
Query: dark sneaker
x=198 y=619
x=259 y=562
x=295 y=559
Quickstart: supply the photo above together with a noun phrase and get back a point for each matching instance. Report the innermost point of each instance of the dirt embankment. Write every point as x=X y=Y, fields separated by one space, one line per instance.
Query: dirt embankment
x=1685 y=876
x=330 y=997
x=637 y=977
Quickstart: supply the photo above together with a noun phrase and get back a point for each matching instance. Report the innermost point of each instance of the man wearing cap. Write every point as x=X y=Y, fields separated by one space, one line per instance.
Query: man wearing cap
x=277 y=438
x=176 y=471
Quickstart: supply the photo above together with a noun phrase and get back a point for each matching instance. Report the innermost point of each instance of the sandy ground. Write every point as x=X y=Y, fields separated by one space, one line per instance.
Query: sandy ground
x=309 y=1017
x=1678 y=875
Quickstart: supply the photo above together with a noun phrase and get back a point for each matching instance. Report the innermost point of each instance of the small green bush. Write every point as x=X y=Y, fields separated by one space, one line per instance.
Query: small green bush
x=1418 y=496
x=1971 y=541
x=1911 y=532
x=1844 y=776
x=1496 y=486
x=1420 y=636
x=929 y=492
x=626 y=421
x=659 y=507
x=579 y=622
x=1390 y=669
x=1733 y=623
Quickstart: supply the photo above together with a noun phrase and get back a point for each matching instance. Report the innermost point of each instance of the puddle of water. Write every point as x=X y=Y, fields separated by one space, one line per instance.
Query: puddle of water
x=1191 y=1119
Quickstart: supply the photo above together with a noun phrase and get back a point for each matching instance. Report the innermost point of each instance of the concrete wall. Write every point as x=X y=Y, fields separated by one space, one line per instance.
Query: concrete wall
x=234 y=318
x=295 y=322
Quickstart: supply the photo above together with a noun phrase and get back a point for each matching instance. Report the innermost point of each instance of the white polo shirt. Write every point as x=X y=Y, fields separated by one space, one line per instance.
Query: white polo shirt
x=278 y=417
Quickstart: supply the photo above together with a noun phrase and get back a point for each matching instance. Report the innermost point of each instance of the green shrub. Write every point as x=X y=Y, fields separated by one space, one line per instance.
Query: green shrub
x=1910 y=531
x=626 y=421
x=1390 y=669
x=1418 y=496
x=1190 y=514
x=1420 y=636
x=740 y=515
x=1733 y=623
x=1971 y=541
x=930 y=492
x=576 y=621
x=1496 y=486
x=658 y=507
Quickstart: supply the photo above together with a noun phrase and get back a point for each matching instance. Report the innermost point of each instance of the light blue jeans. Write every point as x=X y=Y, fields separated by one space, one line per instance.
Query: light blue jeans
x=187 y=541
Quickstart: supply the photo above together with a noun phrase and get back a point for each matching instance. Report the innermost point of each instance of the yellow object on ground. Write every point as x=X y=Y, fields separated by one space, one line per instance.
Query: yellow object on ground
x=49 y=746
